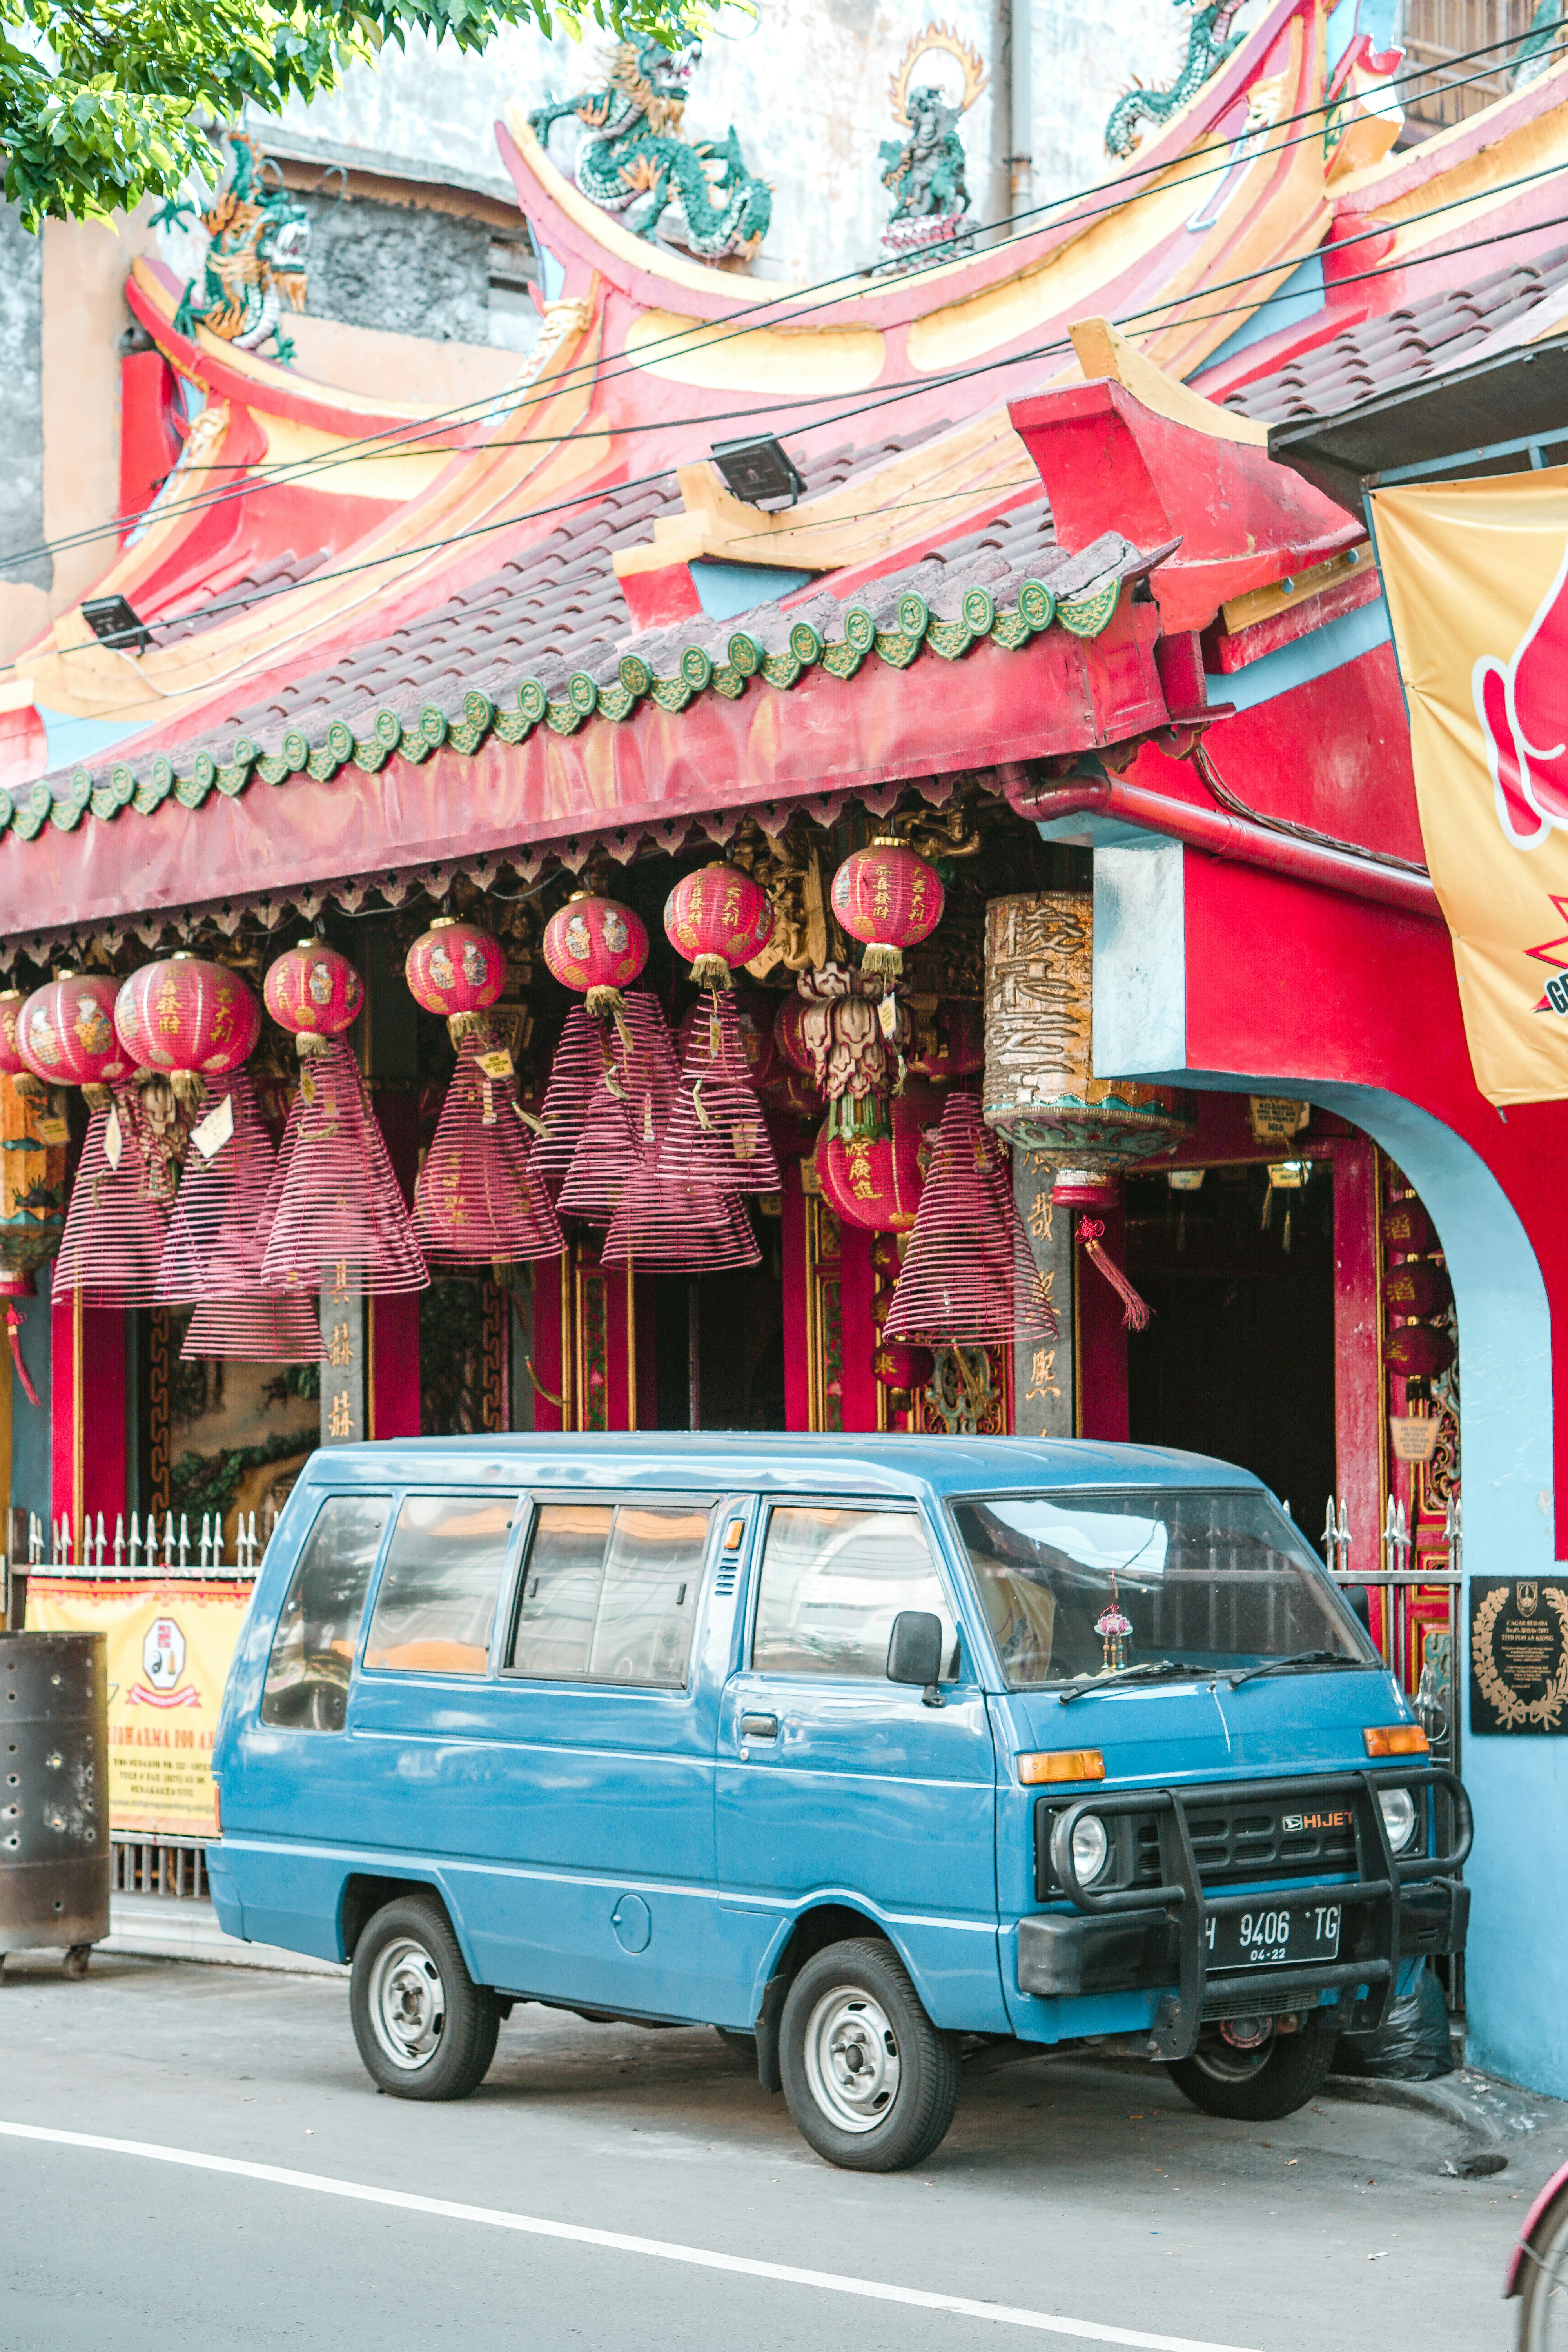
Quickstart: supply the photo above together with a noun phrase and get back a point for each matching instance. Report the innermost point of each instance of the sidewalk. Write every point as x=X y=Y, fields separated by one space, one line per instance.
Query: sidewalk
x=184 y=1928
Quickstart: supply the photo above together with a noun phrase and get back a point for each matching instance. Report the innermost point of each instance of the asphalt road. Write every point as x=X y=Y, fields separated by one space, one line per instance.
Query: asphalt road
x=1092 y=2203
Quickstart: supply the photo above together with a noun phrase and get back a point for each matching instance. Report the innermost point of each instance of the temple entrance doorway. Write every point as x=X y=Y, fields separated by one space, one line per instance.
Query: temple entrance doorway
x=1238 y=1359
x=719 y=1346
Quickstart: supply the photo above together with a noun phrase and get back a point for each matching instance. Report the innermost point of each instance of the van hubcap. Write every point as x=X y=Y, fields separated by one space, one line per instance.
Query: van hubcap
x=852 y=2059
x=407 y=2003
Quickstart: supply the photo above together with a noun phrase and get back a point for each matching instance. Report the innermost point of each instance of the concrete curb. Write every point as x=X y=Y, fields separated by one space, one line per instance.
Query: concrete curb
x=1491 y=2117
x=172 y=1928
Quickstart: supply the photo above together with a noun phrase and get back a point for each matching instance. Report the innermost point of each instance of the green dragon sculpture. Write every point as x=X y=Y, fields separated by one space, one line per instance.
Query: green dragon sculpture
x=259 y=240
x=1207 y=49
x=634 y=159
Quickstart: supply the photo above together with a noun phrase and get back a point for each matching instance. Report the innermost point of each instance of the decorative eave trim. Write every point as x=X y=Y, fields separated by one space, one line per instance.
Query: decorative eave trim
x=1037 y=608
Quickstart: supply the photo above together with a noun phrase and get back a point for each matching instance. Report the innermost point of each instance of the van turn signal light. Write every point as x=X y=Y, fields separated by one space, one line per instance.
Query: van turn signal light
x=1397 y=1739
x=1064 y=1764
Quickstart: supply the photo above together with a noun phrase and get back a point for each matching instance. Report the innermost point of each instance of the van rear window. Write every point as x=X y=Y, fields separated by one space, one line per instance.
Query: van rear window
x=609 y=1593
x=313 y=1651
x=437 y=1600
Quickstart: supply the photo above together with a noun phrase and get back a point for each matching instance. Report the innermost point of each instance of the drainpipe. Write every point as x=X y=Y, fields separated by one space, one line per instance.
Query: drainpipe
x=1223 y=836
x=1021 y=93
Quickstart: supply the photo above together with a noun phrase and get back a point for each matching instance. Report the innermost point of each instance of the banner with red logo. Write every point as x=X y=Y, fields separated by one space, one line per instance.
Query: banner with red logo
x=170 y=1644
x=1476 y=574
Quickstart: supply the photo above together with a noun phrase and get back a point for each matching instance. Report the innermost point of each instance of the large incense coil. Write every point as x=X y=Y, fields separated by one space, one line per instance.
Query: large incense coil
x=478 y=1198
x=680 y=1228
x=334 y=1216
x=116 y=1230
x=628 y=1113
x=718 y=1130
x=257 y=1329
x=576 y=1068
x=213 y=1250
x=968 y=1277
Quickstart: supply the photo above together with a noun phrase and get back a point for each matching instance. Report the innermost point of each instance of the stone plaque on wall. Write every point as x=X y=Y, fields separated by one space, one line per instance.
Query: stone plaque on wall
x=1042 y=1374
x=1519 y=1656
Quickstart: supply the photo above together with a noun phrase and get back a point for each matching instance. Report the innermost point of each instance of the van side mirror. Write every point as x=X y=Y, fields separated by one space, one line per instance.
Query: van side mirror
x=914 y=1651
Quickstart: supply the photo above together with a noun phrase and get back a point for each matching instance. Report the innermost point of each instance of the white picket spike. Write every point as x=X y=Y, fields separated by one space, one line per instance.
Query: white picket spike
x=100 y=1540
x=169 y=1540
x=184 y=1540
x=118 y=1539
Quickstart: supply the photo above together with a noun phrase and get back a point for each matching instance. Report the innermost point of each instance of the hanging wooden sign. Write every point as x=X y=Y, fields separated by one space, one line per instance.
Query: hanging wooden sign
x=1519 y=1656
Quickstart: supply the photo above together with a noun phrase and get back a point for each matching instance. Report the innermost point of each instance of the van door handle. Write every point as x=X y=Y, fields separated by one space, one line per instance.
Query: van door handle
x=759 y=1727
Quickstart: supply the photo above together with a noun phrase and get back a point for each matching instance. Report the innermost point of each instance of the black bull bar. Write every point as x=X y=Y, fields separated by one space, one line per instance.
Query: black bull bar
x=1052 y=1949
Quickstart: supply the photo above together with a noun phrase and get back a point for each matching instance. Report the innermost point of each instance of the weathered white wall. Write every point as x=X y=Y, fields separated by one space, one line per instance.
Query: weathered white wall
x=806 y=88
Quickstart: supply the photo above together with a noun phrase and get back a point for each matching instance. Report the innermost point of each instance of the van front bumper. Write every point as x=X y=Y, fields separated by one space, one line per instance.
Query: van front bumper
x=1155 y=1938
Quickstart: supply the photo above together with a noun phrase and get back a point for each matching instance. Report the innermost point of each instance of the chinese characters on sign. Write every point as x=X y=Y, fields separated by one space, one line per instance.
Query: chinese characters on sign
x=1042 y=1376
x=344 y=1372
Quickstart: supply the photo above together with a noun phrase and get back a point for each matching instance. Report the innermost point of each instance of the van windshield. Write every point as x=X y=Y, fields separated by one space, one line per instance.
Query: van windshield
x=1077 y=1586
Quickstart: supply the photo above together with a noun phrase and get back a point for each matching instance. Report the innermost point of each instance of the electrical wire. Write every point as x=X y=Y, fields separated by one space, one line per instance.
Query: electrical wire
x=397 y=441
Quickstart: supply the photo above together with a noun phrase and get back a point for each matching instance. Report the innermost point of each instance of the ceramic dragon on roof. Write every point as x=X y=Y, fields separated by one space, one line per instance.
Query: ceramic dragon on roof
x=633 y=157
x=255 y=257
x=1209 y=43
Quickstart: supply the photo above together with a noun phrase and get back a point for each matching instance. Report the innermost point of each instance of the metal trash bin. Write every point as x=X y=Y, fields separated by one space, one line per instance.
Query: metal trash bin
x=54 y=1794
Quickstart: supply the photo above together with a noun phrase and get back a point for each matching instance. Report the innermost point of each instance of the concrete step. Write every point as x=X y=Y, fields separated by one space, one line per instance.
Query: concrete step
x=176 y=1927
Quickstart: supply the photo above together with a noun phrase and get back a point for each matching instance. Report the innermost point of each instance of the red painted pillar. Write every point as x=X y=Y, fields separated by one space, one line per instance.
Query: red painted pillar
x=796 y=1319
x=392 y=1324
x=87 y=1414
x=1098 y=1328
x=1358 y=1361
x=858 y=1288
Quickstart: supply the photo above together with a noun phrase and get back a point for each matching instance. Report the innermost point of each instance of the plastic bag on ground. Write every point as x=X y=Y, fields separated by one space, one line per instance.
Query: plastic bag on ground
x=1412 y=2047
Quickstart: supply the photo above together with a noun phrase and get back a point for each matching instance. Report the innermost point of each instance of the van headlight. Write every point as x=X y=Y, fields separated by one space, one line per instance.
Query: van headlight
x=1398 y=1817
x=1090 y=1849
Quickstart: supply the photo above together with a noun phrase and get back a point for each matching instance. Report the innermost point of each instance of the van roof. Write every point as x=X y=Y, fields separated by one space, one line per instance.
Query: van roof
x=769 y=1462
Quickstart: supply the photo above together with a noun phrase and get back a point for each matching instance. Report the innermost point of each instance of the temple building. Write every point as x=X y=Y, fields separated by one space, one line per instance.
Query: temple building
x=861 y=835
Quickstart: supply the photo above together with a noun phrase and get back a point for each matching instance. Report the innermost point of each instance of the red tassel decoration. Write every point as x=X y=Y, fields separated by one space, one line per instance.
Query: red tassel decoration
x=1136 y=1311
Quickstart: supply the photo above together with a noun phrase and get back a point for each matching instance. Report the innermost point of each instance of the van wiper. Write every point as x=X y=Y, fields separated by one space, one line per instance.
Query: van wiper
x=1299 y=1658
x=1148 y=1670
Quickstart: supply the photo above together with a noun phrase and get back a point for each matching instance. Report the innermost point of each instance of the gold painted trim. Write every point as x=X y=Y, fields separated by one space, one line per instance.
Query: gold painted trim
x=1262 y=604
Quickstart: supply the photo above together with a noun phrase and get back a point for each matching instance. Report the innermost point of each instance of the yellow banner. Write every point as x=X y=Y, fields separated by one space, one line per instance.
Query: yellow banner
x=1476 y=579
x=170 y=1644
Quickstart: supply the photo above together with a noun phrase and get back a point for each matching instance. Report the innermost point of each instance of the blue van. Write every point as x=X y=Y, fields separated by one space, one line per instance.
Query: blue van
x=890 y=1758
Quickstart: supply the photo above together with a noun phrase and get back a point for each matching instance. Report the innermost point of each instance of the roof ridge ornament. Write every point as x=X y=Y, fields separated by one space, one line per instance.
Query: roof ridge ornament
x=924 y=169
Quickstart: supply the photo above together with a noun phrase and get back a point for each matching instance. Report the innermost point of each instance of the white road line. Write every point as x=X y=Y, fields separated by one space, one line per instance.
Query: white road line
x=618 y=2242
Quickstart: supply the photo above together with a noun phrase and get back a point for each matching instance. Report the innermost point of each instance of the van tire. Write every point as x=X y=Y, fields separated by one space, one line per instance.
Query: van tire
x=1293 y=2071
x=847 y=1999
x=425 y=2029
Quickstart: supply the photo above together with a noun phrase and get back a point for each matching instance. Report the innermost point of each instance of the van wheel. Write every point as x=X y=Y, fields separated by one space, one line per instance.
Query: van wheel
x=870 y=2082
x=1258 y=2087
x=425 y=2029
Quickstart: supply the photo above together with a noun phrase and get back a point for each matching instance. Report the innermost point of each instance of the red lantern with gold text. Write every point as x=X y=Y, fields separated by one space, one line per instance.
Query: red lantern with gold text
x=334 y=1216
x=875 y=1181
x=457 y=971
x=888 y=898
x=314 y=992
x=116 y=1225
x=1418 y=1351
x=597 y=947
x=66 y=1035
x=718 y=919
x=190 y=1019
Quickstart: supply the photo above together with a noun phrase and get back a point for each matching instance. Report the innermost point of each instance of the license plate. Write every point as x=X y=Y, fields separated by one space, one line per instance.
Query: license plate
x=1273 y=1936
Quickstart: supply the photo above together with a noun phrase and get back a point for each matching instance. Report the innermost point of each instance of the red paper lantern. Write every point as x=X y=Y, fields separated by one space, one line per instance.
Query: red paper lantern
x=596 y=946
x=897 y=1366
x=949 y=1043
x=888 y=898
x=719 y=919
x=1418 y=1351
x=1406 y=1226
x=189 y=1018
x=791 y=1038
x=875 y=1181
x=315 y=993
x=64 y=1033
x=457 y=970
x=1418 y=1287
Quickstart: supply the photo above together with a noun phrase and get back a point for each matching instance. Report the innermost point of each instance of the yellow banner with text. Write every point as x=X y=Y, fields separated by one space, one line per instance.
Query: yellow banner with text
x=1476 y=574
x=170 y=1644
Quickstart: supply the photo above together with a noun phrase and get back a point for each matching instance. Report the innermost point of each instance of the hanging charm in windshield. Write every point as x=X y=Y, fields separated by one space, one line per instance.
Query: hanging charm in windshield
x=1114 y=1631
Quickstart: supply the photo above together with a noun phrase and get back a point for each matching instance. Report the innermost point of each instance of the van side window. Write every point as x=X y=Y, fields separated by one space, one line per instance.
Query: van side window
x=313 y=1651
x=437 y=1600
x=609 y=1592
x=833 y=1583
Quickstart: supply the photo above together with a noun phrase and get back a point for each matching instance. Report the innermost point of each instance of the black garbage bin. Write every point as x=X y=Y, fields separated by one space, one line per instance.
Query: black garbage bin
x=54 y=1794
